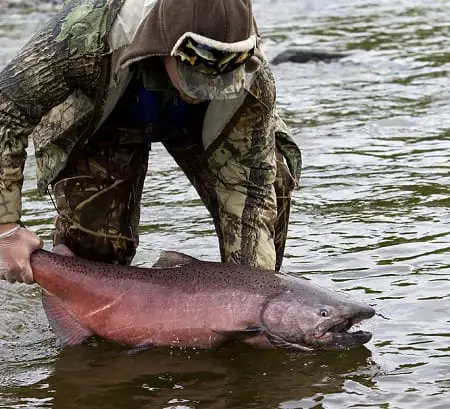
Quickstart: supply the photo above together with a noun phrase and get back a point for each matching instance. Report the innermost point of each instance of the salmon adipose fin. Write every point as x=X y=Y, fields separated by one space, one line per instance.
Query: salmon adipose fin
x=66 y=328
x=241 y=334
x=169 y=259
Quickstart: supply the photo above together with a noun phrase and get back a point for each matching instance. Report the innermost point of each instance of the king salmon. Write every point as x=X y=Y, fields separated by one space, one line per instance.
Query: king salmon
x=185 y=302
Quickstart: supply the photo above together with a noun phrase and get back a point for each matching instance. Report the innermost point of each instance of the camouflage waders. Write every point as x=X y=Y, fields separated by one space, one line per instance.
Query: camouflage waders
x=191 y=159
x=98 y=200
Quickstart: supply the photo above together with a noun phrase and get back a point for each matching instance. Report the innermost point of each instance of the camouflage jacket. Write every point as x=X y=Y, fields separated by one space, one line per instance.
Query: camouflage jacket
x=65 y=82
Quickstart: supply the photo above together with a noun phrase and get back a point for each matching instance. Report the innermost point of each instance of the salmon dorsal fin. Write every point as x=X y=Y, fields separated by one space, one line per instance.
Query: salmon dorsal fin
x=168 y=259
x=66 y=328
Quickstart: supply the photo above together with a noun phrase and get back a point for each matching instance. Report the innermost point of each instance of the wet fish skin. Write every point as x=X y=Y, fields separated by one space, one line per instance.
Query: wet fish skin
x=192 y=303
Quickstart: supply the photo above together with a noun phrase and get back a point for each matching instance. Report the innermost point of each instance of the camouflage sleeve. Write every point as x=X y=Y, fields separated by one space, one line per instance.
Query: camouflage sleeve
x=245 y=169
x=14 y=130
x=40 y=77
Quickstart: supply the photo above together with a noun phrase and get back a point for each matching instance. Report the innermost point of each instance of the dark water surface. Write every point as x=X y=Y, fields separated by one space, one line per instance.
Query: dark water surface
x=371 y=218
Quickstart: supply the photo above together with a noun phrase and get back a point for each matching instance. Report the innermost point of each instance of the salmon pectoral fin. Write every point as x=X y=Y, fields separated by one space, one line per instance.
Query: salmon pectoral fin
x=66 y=328
x=241 y=334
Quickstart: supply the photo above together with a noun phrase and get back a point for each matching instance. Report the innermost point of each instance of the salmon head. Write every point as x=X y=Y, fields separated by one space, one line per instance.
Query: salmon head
x=306 y=317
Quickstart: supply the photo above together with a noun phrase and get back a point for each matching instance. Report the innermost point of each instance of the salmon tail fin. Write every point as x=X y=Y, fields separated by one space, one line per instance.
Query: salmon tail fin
x=66 y=328
x=241 y=334
x=169 y=259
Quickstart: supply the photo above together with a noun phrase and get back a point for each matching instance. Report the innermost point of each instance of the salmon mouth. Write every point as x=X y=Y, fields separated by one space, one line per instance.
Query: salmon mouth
x=339 y=335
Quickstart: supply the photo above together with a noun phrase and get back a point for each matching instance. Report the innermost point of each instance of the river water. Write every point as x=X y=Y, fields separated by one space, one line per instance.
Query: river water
x=370 y=219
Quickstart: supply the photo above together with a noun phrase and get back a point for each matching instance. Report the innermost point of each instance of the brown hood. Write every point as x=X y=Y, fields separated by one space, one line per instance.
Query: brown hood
x=221 y=20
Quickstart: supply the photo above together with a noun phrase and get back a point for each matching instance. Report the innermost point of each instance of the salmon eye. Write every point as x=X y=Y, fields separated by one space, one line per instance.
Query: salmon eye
x=323 y=312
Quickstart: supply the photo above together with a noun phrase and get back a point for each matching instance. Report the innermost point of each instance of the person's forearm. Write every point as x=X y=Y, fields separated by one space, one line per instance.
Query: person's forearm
x=13 y=142
x=245 y=168
x=247 y=220
x=31 y=84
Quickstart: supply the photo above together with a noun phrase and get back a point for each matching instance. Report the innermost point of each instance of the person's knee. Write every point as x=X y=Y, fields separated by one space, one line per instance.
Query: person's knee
x=97 y=219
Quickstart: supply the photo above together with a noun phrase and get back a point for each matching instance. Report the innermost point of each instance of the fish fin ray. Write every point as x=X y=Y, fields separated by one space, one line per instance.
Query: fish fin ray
x=66 y=328
x=168 y=259
x=241 y=334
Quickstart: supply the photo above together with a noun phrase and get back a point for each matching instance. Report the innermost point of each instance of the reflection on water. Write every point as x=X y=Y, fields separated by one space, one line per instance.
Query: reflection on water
x=371 y=219
x=104 y=376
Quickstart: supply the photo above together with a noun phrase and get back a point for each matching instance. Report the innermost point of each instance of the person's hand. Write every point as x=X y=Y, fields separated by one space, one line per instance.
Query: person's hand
x=16 y=246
